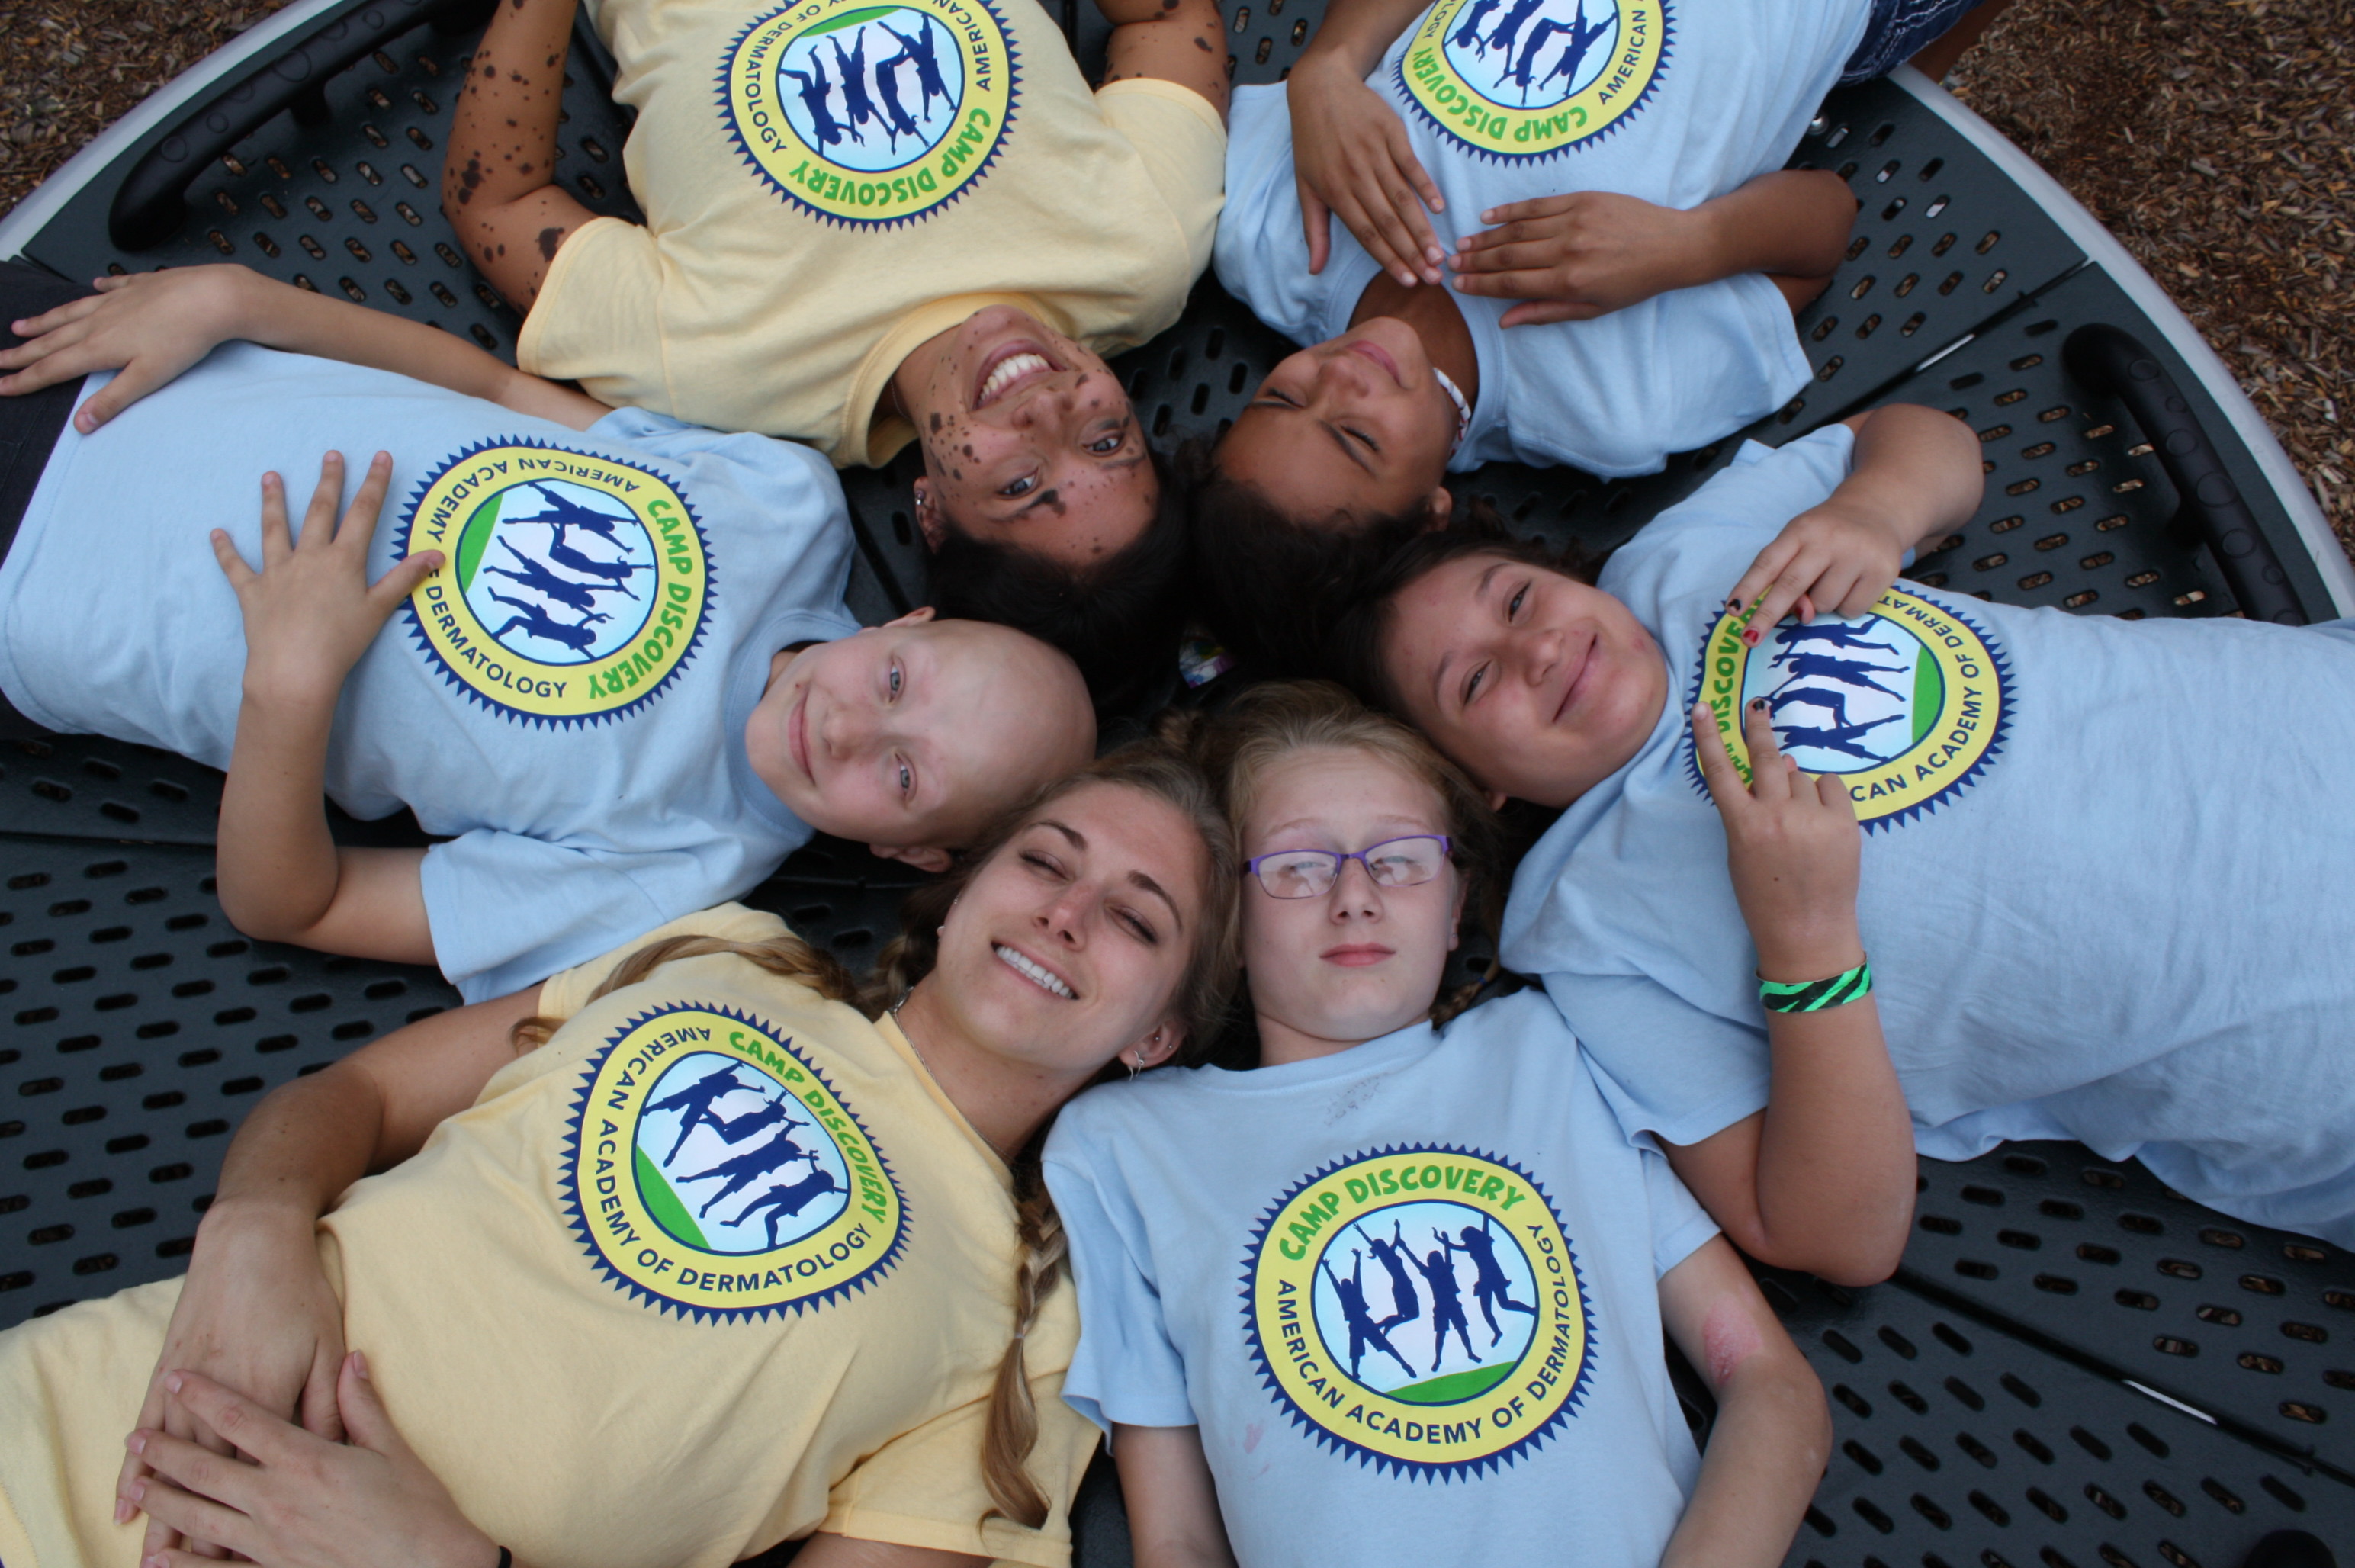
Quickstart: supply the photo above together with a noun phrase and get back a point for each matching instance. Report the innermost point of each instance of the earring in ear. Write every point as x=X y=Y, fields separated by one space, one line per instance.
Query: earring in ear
x=1134 y=1068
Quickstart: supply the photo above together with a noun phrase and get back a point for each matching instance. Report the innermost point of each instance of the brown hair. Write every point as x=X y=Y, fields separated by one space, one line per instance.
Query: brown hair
x=1161 y=769
x=1154 y=767
x=1270 y=722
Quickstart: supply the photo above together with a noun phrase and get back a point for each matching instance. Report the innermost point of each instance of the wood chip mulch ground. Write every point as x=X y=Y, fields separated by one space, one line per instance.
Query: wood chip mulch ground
x=2216 y=138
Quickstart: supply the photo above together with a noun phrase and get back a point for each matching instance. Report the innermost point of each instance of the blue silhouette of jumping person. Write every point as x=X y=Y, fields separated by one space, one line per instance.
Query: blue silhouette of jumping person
x=1582 y=40
x=1363 y=1329
x=1840 y=738
x=534 y=622
x=1848 y=672
x=771 y=1113
x=1438 y=1270
x=1467 y=36
x=1831 y=703
x=814 y=90
x=1832 y=634
x=783 y=1200
x=536 y=576
x=1511 y=28
x=1489 y=1285
x=564 y=512
x=742 y=1170
x=613 y=575
x=696 y=1100
x=1406 y=1306
x=1527 y=60
x=923 y=52
x=896 y=122
x=852 y=68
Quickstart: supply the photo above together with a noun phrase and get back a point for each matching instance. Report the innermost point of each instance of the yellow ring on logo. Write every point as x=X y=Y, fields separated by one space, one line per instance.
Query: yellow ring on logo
x=631 y=631
x=1491 y=1404
x=643 y=1228
x=1514 y=112
x=930 y=155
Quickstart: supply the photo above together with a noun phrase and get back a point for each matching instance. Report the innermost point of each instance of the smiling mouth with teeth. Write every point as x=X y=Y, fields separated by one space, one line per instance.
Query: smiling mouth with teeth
x=1036 y=974
x=1015 y=368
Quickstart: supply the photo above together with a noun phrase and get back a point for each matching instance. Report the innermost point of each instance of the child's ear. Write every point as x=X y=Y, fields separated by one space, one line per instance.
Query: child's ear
x=929 y=522
x=1439 y=509
x=912 y=618
x=923 y=856
x=1498 y=800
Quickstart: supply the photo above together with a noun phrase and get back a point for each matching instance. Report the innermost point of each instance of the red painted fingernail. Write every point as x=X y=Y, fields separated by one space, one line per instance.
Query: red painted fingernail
x=1750 y=636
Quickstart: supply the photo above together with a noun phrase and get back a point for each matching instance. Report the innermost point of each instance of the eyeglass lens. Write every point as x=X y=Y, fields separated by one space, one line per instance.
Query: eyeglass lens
x=1307 y=873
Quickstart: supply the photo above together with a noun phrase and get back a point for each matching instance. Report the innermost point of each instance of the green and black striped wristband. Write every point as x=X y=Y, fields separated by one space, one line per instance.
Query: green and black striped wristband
x=1815 y=995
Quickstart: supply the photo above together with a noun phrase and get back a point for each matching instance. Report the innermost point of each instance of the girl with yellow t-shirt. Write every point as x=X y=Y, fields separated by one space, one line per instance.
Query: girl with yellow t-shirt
x=867 y=223
x=724 y=1261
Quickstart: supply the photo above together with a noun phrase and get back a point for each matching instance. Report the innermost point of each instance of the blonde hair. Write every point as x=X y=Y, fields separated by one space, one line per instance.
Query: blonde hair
x=1276 y=720
x=1153 y=767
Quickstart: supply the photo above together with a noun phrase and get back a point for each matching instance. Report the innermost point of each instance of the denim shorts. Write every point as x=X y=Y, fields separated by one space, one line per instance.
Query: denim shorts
x=1898 y=30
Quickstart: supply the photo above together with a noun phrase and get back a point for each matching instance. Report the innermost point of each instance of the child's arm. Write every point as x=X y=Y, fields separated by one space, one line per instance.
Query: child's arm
x=1773 y=1433
x=498 y=178
x=1173 y=1502
x=310 y=614
x=154 y=326
x=1180 y=42
x=1915 y=475
x=1349 y=152
x=256 y=1314
x=1571 y=258
x=1823 y=1179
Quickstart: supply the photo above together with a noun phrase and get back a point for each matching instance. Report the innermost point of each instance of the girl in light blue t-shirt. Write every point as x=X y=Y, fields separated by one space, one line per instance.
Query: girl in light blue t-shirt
x=1401 y=1293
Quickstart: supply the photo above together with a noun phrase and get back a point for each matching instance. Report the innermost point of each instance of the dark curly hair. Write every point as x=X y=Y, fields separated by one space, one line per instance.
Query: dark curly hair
x=1119 y=619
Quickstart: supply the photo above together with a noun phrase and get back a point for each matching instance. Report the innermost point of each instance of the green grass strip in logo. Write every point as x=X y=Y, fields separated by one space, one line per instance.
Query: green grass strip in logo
x=1453 y=1389
x=474 y=538
x=851 y=19
x=665 y=1205
x=1929 y=693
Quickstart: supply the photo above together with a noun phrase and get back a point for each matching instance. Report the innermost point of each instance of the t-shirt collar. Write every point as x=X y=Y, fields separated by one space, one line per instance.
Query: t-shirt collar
x=1394 y=1050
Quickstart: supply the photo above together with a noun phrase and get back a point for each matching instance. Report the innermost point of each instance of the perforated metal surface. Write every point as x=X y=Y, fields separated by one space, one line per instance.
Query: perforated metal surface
x=1956 y=1444
x=2253 y=1324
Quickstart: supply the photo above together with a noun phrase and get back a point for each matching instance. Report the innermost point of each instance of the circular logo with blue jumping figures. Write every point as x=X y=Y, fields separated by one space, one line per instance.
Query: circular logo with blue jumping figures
x=1420 y=1309
x=871 y=115
x=713 y=1171
x=1532 y=78
x=574 y=588
x=1907 y=704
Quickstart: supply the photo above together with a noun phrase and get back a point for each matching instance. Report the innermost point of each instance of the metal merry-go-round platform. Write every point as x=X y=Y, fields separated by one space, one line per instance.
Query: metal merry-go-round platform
x=2073 y=1368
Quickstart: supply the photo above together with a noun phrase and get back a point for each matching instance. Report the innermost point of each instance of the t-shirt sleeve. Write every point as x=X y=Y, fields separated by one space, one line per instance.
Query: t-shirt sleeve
x=1125 y=1369
x=1261 y=256
x=1183 y=143
x=1743 y=506
x=507 y=910
x=597 y=319
x=1666 y=1068
x=1679 y=1224
x=567 y=992
x=924 y=1487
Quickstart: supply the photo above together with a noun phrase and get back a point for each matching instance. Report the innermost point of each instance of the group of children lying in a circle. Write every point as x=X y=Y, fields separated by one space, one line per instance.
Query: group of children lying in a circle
x=679 y=1241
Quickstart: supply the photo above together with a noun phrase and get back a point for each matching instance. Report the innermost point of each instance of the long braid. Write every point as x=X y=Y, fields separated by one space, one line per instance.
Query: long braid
x=1012 y=1413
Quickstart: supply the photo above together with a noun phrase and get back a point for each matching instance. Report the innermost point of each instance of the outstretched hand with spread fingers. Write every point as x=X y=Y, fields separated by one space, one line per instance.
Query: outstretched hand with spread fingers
x=294 y=1499
x=150 y=327
x=1793 y=845
x=1575 y=257
x=1351 y=159
x=310 y=613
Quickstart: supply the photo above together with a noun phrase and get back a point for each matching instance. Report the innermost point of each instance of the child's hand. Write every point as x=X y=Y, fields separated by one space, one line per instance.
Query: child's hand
x=310 y=613
x=150 y=325
x=1350 y=156
x=1834 y=558
x=1580 y=256
x=1793 y=845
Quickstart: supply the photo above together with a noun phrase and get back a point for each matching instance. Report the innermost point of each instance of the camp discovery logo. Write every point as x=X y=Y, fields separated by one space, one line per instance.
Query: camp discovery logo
x=1421 y=1309
x=1532 y=78
x=1908 y=704
x=710 y=1169
x=870 y=116
x=573 y=587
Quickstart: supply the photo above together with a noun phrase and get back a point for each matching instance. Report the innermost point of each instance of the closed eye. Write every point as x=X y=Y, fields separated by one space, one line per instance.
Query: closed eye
x=1140 y=928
